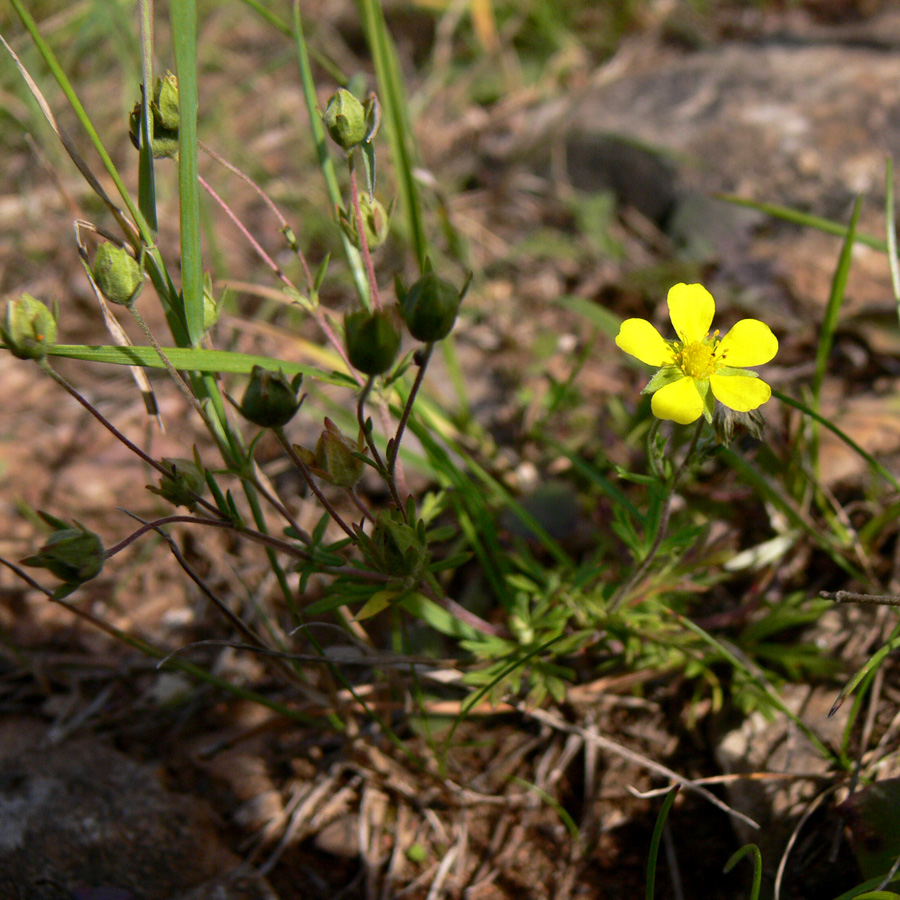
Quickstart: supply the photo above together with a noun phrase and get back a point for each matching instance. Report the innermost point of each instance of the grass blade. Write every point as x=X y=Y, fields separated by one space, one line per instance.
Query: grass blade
x=794 y=216
x=395 y=106
x=876 y=466
x=656 y=839
x=183 y=15
x=891 y=229
x=79 y=110
x=757 y=866
x=194 y=360
x=146 y=172
x=326 y=164
x=835 y=299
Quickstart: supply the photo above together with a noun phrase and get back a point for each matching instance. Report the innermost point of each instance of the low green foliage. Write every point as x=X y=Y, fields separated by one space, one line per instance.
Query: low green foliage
x=601 y=569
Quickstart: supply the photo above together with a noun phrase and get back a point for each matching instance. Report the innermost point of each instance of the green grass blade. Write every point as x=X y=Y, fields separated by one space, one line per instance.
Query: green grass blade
x=755 y=479
x=786 y=214
x=194 y=360
x=395 y=106
x=655 y=841
x=146 y=172
x=870 y=665
x=763 y=685
x=269 y=16
x=183 y=15
x=80 y=112
x=757 y=866
x=876 y=466
x=835 y=300
x=357 y=269
x=891 y=229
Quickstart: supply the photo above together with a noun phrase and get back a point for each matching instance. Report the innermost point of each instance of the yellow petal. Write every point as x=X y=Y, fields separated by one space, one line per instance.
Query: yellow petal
x=740 y=392
x=680 y=401
x=691 y=309
x=749 y=343
x=639 y=338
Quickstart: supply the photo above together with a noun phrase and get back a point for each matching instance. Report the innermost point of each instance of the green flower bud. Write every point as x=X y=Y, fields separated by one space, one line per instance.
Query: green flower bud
x=429 y=308
x=372 y=341
x=165 y=108
x=335 y=459
x=165 y=119
x=270 y=400
x=74 y=555
x=400 y=550
x=184 y=482
x=212 y=308
x=345 y=119
x=118 y=274
x=28 y=328
x=376 y=222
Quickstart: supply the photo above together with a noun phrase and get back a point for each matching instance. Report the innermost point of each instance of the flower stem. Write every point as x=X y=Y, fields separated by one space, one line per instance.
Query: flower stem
x=308 y=478
x=167 y=473
x=622 y=592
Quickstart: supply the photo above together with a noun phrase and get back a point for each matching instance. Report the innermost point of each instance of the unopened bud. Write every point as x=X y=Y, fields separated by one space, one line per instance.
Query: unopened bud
x=74 y=555
x=165 y=119
x=212 y=308
x=375 y=218
x=165 y=105
x=400 y=550
x=345 y=119
x=28 y=328
x=270 y=400
x=336 y=460
x=118 y=274
x=184 y=483
x=430 y=307
x=372 y=341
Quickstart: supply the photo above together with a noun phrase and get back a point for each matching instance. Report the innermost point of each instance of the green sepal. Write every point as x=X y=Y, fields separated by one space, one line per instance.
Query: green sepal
x=666 y=375
x=709 y=401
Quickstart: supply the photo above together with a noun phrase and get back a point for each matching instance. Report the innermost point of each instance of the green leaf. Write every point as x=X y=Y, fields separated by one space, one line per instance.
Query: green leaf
x=835 y=300
x=183 y=14
x=194 y=360
x=377 y=603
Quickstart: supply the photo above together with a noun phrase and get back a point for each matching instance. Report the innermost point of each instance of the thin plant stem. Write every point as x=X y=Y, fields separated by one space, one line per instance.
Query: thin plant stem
x=308 y=478
x=361 y=419
x=301 y=533
x=852 y=597
x=393 y=451
x=370 y=441
x=363 y=241
x=460 y=612
x=321 y=320
x=63 y=383
x=176 y=376
x=637 y=576
x=282 y=221
x=258 y=537
x=166 y=658
x=366 y=513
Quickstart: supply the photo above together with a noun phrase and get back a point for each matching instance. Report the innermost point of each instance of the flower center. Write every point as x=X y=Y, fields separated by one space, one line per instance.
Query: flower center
x=698 y=358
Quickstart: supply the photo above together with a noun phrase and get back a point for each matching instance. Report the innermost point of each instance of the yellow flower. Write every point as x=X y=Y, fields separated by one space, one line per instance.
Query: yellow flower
x=700 y=368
